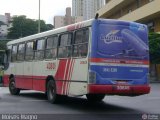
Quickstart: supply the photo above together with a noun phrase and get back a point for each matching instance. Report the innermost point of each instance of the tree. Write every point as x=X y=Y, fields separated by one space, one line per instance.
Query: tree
x=1 y=23
x=50 y=26
x=154 y=45
x=22 y=26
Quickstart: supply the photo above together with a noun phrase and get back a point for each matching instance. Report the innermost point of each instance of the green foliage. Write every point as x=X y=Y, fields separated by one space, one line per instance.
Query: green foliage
x=3 y=44
x=154 y=45
x=1 y=23
x=22 y=26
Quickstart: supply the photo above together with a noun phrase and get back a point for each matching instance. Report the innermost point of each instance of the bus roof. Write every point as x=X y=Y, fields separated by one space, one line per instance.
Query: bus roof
x=69 y=28
x=52 y=32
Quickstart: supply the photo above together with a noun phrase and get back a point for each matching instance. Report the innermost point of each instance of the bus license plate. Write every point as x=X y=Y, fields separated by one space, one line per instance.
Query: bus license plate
x=122 y=87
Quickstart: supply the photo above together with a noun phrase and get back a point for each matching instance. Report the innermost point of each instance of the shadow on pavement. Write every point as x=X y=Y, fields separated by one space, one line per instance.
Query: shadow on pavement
x=81 y=104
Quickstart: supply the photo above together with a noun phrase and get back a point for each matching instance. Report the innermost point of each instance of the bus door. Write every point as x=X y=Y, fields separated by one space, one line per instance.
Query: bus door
x=64 y=65
x=19 y=66
x=39 y=66
x=28 y=66
x=79 y=65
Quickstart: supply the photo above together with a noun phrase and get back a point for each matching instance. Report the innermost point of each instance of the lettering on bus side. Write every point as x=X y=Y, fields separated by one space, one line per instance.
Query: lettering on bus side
x=110 y=70
x=50 y=66
x=83 y=62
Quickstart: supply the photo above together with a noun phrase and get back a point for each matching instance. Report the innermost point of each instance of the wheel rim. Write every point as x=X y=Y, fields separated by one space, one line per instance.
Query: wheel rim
x=12 y=87
x=51 y=92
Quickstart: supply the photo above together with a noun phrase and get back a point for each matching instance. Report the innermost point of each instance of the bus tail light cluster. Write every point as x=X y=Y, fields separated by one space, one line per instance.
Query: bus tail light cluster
x=92 y=77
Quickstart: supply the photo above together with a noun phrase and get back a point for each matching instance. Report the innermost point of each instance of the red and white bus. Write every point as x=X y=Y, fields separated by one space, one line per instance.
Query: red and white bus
x=92 y=58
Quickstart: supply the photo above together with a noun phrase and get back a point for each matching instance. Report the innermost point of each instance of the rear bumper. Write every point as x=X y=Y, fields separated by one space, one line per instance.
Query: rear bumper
x=127 y=90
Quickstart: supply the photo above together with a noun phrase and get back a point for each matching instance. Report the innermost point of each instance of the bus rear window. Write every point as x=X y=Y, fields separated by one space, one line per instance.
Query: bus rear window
x=122 y=41
x=14 y=53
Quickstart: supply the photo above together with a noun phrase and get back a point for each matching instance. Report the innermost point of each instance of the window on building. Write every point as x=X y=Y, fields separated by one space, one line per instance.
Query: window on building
x=21 y=51
x=138 y=3
x=80 y=46
x=151 y=26
x=29 y=51
x=65 y=48
x=39 y=52
x=14 y=53
x=51 y=47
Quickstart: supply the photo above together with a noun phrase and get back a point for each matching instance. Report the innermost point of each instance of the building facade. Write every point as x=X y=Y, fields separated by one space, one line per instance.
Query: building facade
x=143 y=11
x=86 y=8
x=60 y=21
x=77 y=7
x=90 y=8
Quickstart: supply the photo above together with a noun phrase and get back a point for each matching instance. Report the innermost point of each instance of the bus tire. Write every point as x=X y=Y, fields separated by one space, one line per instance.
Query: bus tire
x=95 y=97
x=51 y=92
x=12 y=87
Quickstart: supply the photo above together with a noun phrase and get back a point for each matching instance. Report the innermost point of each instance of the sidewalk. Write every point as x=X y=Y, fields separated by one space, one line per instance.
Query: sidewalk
x=154 y=80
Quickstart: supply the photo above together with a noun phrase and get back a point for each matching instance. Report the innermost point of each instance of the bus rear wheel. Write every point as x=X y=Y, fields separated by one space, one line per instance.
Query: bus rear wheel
x=51 y=92
x=95 y=97
x=12 y=87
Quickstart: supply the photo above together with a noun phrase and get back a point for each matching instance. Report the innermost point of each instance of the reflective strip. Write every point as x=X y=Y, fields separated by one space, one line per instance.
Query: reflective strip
x=120 y=61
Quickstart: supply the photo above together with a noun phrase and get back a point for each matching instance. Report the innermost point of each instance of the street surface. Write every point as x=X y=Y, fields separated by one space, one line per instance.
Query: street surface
x=31 y=102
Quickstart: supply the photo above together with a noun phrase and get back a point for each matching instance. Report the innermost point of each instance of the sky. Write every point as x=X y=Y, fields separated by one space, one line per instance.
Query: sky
x=30 y=8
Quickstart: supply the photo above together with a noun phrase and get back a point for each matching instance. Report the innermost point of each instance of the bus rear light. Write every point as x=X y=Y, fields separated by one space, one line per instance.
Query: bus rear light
x=92 y=77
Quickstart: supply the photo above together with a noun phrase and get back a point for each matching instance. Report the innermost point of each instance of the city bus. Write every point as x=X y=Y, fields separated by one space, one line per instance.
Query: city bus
x=95 y=58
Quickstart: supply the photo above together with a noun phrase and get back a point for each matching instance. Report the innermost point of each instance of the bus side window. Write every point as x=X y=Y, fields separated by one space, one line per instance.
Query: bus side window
x=51 y=47
x=21 y=51
x=39 y=52
x=65 y=48
x=29 y=51
x=8 y=57
x=80 y=46
x=14 y=53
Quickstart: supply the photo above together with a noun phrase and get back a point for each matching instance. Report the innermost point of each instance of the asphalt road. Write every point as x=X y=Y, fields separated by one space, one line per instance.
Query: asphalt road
x=113 y=107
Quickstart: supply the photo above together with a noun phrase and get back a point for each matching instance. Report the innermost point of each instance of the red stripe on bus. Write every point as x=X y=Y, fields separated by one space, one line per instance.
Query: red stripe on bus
x=66 y=75
x=5 y=80
x=120 y=61
x=38 y=82
x=70 y=76
x=60 y=74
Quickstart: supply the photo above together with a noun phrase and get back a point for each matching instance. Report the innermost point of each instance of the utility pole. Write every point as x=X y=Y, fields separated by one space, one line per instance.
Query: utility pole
x=39 y=24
